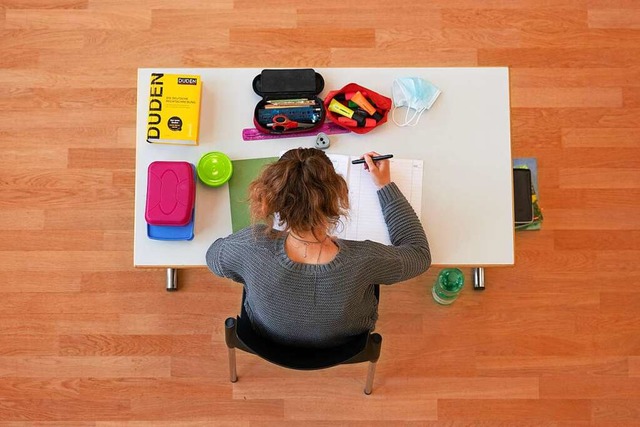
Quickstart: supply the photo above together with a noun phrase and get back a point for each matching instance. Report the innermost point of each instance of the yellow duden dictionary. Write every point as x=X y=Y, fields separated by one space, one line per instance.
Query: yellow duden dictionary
x=174 y=109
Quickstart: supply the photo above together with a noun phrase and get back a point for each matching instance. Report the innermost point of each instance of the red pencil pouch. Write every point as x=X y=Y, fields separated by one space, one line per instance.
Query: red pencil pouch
x=380 y=103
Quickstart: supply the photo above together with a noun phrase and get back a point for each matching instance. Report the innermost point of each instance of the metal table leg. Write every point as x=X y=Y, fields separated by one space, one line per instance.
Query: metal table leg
x=172 y=279
x=478 y=278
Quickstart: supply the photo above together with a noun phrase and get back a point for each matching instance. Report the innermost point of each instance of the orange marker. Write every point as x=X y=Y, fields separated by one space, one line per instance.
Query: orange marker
x=359 y=99
x=349 y=95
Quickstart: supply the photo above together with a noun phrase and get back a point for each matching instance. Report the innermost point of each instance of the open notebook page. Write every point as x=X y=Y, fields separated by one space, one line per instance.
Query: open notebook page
x=365 y=220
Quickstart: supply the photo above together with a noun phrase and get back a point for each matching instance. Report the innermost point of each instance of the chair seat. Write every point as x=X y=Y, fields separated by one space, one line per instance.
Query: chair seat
x=240 y=334
x=302 y=358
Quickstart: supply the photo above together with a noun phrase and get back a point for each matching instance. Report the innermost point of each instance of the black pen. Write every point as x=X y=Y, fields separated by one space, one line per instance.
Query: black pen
x=374 y=158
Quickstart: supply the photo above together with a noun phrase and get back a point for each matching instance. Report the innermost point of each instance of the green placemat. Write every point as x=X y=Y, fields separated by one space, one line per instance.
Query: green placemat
x=244 y=171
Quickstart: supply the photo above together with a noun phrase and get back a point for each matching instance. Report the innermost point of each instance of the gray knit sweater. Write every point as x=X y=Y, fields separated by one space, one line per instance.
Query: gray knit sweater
x=321 y=305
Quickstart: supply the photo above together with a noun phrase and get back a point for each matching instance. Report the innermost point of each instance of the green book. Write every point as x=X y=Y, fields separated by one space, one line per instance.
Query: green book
x=244 y=171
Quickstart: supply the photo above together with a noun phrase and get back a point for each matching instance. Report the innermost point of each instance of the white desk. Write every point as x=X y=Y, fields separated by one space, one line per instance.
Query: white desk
x=464 y=140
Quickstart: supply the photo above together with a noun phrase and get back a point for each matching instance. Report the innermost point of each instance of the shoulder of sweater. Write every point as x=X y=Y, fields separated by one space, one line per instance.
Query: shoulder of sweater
x=254 y=235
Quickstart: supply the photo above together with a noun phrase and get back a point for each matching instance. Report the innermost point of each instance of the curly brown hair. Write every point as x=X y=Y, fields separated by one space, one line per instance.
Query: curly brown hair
x=303 y=189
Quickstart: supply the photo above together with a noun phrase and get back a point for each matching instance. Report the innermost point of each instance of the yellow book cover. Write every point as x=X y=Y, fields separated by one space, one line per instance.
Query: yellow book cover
x=174 y=109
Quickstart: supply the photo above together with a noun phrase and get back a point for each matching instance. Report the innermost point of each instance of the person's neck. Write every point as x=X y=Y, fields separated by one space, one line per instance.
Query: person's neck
x=309 y=235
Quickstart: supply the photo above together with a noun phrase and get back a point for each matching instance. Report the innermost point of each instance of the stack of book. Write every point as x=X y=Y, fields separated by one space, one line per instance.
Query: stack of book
x=170 y=204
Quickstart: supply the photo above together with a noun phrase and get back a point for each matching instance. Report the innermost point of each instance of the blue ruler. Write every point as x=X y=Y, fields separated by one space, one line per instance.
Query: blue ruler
x=330 y=128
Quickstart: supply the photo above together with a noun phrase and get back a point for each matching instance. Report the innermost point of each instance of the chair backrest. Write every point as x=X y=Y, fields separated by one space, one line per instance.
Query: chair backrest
x=360 y=348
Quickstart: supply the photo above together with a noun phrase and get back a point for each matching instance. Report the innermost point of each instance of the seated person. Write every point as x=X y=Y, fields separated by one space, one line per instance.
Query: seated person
x=305 y=287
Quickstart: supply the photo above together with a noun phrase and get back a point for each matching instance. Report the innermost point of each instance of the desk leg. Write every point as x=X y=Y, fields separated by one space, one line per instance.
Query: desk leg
x=172 y=279
x=478 y=278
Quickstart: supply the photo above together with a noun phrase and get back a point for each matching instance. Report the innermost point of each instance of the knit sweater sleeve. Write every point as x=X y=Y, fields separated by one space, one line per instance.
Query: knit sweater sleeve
x=409 y=255
x=222 y=261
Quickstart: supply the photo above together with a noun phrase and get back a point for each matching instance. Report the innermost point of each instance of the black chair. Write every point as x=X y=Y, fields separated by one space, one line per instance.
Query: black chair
x=361 y=348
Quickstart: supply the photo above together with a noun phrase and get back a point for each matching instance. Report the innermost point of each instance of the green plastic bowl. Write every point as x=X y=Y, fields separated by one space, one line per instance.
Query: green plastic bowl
x=214 y=169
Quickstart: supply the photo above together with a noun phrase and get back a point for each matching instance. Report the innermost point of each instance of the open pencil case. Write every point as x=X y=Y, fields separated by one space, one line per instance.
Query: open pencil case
x=290 y=101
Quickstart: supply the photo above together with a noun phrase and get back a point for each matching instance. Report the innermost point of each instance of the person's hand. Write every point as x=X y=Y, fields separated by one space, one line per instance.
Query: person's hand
x=380 y=170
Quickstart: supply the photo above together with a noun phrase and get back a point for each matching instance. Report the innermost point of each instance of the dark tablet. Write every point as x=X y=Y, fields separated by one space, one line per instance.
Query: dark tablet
x=522 y=203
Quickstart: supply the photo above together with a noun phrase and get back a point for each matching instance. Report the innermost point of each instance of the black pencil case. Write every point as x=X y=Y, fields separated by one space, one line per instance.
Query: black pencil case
x=289 y=101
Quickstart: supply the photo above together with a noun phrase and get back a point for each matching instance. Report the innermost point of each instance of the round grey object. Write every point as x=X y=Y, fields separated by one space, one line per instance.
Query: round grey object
x=322 y=141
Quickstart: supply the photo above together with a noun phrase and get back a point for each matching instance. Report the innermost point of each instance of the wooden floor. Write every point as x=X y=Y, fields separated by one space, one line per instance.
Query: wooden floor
x=86 y=339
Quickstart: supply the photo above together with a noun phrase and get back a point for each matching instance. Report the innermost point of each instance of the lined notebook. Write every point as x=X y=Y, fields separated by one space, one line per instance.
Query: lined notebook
x=365 y=220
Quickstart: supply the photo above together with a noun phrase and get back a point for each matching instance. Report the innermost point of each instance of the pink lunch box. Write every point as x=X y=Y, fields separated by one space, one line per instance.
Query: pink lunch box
x=171 y=191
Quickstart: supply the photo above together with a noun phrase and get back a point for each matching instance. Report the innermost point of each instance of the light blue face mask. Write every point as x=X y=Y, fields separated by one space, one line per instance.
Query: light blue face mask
x=412 y=93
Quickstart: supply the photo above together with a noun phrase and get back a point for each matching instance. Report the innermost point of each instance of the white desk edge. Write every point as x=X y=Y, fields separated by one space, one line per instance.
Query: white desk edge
x=464 y=140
